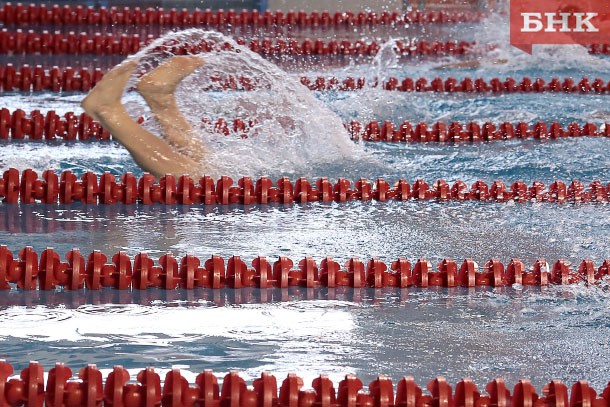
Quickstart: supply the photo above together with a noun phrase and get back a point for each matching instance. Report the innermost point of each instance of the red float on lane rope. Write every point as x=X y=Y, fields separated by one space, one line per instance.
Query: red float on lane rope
x=29 y=270
x=106 y=189
x=56 y=43
x=34 y=79
x=36 y=125
x=473 y=131
x=86 y=15
x=30 y=390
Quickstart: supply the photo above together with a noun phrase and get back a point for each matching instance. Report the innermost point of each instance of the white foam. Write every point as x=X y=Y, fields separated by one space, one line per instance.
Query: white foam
x=496 y=30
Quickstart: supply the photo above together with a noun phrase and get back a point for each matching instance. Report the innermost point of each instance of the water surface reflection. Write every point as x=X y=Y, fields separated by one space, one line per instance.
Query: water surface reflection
x=480 y=333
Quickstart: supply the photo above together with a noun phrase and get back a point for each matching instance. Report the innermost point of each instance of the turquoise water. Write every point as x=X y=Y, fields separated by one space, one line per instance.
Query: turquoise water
x=541 y=334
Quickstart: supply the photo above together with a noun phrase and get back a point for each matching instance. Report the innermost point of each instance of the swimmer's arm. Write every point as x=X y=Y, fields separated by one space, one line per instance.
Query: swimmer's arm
x=153 y=154
x=149 y=152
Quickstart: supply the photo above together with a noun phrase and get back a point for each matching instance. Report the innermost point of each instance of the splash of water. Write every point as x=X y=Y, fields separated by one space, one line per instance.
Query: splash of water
x=294 y=131
x=546 y=59
x=504 y=60
x=386 y=60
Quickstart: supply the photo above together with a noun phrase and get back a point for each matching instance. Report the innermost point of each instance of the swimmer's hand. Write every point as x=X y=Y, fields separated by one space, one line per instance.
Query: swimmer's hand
x=164 y=79
x=105 y=97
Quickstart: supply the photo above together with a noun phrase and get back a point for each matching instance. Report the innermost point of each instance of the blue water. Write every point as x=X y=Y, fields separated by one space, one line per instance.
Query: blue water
x=541 y=334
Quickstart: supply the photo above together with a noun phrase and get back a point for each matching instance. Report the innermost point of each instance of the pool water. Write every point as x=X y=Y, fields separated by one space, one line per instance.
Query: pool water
x=513 y=332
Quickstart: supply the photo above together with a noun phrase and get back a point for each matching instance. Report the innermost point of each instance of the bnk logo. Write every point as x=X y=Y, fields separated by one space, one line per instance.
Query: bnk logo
x=533 y=22
x=584 y=22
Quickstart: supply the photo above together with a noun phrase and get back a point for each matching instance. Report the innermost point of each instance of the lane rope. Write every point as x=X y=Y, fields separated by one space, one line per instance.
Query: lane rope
x=470 y=132
x=60 y=389
x=26 y=78
x=57 y=43
x=87 y=15
x=67 y=188
x=34 y=125
x=30 y=271
x=21 y=42
x=37 y=125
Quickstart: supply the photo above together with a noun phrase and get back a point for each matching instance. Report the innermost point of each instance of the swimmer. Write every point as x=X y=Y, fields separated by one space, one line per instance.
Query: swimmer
x=177 y=152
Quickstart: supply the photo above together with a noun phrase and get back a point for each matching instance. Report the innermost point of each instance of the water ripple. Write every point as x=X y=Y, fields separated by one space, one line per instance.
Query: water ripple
x=30 y=317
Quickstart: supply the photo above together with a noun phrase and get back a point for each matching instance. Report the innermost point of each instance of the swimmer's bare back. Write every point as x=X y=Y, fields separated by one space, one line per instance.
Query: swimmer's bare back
x=177 y=152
